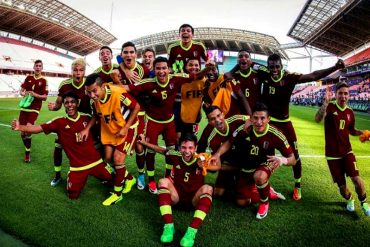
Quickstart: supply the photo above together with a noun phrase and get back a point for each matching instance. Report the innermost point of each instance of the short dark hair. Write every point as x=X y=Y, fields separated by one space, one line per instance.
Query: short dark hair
x=148 y=49
x=245 y=50
x=160 y=60
x=210 y=109
x=341 y=84
x=38 y=61
x=187 y=25
x=188 y=137
x=259 y=106
x=190 y=59
x=274 y=57
x=93 y=78
x=128 y=44
x=70 y=94
x=106 y=47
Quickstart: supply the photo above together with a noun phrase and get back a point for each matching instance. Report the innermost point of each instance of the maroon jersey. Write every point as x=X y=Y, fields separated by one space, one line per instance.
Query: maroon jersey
x=250 y=85
x=179 y=54
x=212 y=138
x=79 y=153
x=141 y=70
x=339 y=123
x=255 y=147
x=276 y=94
x=162 y=96
x=105 y=75
x=84 y=100
x=37 y=85
x=187 y=176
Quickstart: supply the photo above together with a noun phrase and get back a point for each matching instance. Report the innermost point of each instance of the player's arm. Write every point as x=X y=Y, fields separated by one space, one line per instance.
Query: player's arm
x=135 y=108
x=132 y=76
x=216 y=157
x=156 y=148
x=22 y=91
x=115 y=77
x=84 y=134
x=318 y=74
x=55 y=106
x=244 y=102
x=277 y=161
x=352 y=130
x=201 y=74
x=320 y=114
x=33 y=129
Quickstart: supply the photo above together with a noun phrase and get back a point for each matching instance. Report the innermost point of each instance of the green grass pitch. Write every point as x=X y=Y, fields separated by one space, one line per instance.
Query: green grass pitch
x=40 y=215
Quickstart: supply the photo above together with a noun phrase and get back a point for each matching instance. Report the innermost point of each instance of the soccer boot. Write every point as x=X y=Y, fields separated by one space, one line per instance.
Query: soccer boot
x=152 y=187
x=276 y=195
x=350 y=205
x=189 y=237
x=28 y=101
x=22 y=102
x=128 y=185
x=297 y=194
x=263 y=209
x=366 y=208
x=168 y=232
x=55 y=181
x=113 y=199
x=140 y=182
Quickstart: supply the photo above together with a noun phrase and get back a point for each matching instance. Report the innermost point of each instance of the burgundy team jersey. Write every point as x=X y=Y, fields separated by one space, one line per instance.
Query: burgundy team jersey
x=255 y=147
x=179 y=54
x=276 y=94
x=79 y=153
x=105 y=75
x=84 y=100
x=188 y=176
x=37 y=85
x=162 y=96
x=212 y=138
x=141 y=70
x=339 y=123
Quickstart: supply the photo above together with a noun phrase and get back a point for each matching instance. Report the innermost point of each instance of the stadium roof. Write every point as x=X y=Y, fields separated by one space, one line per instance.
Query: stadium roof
x=335 y=26
x=226 y=39
x=54 y=23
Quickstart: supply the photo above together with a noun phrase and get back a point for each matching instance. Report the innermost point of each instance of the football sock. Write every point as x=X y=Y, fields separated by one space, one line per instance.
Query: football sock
x=150 y=165
x=362 y=198
x=201 y=211
x=264 y=191
x=119 y=178
x=140 y=161
x=164 y=202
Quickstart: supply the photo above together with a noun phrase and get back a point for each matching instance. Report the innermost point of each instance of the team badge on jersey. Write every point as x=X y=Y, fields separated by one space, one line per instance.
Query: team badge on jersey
x=348 y=117
x=84 y=124
x=171 y=86
x=266 y=145
x=255 y=81
x=195 y=53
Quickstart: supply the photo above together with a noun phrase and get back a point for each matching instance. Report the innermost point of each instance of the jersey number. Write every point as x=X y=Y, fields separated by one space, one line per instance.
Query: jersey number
x=254 y=150
x=164 y=95
x=186 y=178
x=341 y=124
x=271 y=90
x=247 y=92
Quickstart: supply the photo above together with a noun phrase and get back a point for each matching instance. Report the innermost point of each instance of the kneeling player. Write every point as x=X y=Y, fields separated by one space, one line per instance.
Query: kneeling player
x=187 y=187
x=84 y=159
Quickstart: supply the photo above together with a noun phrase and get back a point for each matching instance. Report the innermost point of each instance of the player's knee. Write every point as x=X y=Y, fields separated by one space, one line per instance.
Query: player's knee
x=163 y=183
x=206 y=189
x=260 y=177
x=217 y=192
x=243 y=202
x=73 y=194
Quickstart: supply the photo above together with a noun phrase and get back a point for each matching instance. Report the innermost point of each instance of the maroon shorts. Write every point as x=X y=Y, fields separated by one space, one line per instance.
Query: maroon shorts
x=288 y=130
x=168 y=131
x=185 y=197
x=343 y=167
x=130 y=139
x=141 y=126
x=27 y=117
x=77 y=179
x=246 y=187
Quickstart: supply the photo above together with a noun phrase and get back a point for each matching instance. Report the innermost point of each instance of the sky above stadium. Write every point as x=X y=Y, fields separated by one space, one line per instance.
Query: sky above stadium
x=129 y=20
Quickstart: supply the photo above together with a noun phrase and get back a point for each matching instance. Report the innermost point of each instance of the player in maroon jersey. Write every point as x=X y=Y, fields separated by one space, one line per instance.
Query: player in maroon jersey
x=257 y=146
x=278 y=86
x=187 y=187
x=35 y=88
x=84 y=159
x=76 y=85
x=108 y=71
x=162 y=91
x=339 y=124
x=148 y=56
x=186 y=47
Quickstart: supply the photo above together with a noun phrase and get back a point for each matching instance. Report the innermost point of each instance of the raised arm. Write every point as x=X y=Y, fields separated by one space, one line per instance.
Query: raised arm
x=320 y=114
x=156 y=148
x=33 y=129
x=318 y=74
x=55 y=106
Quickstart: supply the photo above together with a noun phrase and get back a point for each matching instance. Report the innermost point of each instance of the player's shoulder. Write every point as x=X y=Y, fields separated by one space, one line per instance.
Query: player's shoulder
x=65 y=82
x=239 y=118
x=173 y=45
x=56 y=119
x=199 y=43
x=276 y=132
x=97 y=70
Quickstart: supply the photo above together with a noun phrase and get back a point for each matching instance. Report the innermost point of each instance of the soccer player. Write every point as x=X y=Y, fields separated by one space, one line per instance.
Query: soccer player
x=339 y=123
x=259 y=142
x=76 y=85
x=84 y=159
x=148 y=55
x=160 y=119
x=117 y=112
x=187 y=187
x=278 y=86
x=129 y=55
x=238 y=103
x=35 y=90
x=186 y=47
x=108 y=71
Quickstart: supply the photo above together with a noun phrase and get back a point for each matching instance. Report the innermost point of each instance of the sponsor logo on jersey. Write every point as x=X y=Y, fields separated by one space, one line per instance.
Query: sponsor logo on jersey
x=178 y=167
x=84 y=124
x=171 y=86
x=348 y=117
x=335 y=113
x=154 y=91
x=266 y=145
x=67 y=127
x=195 y=53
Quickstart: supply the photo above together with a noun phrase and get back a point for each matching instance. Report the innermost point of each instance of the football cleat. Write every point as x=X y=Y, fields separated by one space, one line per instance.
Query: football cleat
x=152 y=187
x=366 y=208
x=276 y=195
x=189 y=237
x=140 y=182
x=350 y=205
x=297 y=194
x=27 y=157
x=128 y=185
x=55 y=181
x=168 y=232
x=263 y=209
x=28 y=101
x=113 y=199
